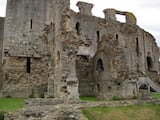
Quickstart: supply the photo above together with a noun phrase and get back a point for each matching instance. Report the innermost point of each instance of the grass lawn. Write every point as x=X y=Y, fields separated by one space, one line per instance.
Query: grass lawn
x=155 y=95
x=144 y=112
x=89 y=98
x=11 y=104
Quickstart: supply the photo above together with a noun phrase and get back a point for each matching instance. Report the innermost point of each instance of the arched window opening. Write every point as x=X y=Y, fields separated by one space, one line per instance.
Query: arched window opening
x=137 y=47
x=98 y=36
x=117 y=37
x=100 y=67
x=98 y=87
x=78 y=28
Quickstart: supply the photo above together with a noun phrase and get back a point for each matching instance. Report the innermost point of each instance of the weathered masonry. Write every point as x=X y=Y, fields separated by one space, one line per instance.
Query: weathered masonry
x=51 y=51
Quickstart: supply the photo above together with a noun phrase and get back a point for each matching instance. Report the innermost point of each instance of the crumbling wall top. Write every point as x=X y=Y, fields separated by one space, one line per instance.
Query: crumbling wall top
x=130 y=18
x=110 y=14
x=85 y=8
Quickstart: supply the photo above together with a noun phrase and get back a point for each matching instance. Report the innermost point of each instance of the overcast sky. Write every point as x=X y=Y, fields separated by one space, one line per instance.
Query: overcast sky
x=146 y=11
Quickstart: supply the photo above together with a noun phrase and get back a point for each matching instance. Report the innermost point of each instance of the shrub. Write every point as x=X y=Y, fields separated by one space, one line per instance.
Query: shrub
x=1 y=115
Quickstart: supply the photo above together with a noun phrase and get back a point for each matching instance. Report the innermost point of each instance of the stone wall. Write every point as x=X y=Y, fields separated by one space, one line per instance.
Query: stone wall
x=1 y=43
x=86 y=28
x=25 y=60
x=84 y=75
x=122 y=48
x=122 y=56
x=63 y=54
x=50 y=48
x=25 y=21
x=20 y=82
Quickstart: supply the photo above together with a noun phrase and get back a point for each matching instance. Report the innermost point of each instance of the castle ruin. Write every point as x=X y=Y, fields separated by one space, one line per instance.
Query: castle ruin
x=50 y=50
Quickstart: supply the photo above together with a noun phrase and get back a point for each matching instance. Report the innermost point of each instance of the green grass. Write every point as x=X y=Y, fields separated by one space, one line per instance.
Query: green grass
x=144 y=112
x=11 y=104
x=155 y=95
x=89 y=98
x=117 y=98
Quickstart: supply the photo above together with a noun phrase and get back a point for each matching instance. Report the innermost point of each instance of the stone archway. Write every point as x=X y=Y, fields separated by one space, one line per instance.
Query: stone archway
x=144 y=90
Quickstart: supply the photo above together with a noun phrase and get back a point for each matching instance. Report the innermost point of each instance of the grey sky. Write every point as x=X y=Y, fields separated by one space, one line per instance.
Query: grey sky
x=146 y=11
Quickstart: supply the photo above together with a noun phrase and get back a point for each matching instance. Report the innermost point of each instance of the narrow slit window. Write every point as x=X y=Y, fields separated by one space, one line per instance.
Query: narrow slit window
x=137 y=46
x=78 y=28
x=28 y=65
x=58 y=58
x=98 y=36
x=31 y=23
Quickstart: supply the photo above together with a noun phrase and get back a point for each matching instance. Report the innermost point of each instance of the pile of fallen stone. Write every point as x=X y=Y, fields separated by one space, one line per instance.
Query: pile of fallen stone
x=48 y=109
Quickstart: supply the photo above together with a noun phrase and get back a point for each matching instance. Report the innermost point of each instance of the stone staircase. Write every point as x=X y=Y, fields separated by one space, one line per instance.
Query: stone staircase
x=154 y=86
x=148 y=81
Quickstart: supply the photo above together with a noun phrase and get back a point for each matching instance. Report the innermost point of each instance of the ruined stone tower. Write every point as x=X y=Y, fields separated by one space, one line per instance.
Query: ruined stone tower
x=30 y=54
x=51 y=51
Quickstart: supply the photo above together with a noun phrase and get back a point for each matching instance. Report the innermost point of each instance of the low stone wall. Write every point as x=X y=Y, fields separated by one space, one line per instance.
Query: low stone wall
x=41 y=101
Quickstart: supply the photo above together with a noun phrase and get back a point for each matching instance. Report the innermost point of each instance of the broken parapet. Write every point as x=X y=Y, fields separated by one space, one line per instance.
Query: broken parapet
x=130 y=18
x=85 y=8
x=110 y=14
